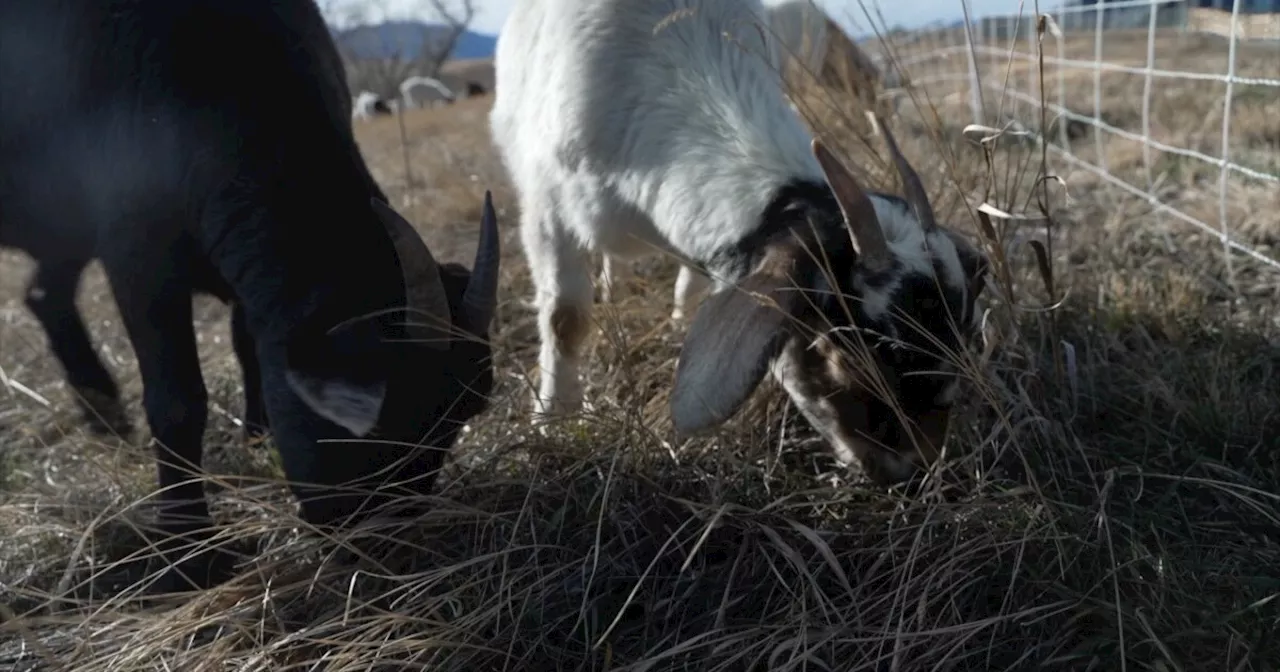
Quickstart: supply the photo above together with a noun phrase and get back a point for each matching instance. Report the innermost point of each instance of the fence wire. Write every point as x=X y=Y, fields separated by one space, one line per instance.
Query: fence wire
x=978 y=57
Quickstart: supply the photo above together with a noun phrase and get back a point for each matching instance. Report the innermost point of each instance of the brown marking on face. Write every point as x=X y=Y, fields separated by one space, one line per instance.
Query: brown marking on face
x=782 y=259
x=842 y=399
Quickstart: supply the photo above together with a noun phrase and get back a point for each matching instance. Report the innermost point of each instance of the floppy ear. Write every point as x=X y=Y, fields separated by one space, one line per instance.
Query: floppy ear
x=734 y=336
x=338 y=375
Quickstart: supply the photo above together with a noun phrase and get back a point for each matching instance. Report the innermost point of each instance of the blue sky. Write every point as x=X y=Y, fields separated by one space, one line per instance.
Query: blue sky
x=908 y=13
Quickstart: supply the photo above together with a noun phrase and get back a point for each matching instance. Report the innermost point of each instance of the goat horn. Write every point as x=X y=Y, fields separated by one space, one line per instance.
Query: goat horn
x=912 y=187
x=481 y=296
x=859 y=213
x=424 y=293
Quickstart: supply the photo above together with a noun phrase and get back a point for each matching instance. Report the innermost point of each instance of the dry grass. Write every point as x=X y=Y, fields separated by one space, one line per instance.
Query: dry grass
x=1121 y=442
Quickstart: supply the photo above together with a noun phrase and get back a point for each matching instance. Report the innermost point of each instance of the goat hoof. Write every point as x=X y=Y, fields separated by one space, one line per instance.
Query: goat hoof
x=255 y=437
x=104 y=414
x=185 y=555
x=206 y=568
x=108 y=426
x=549 y=413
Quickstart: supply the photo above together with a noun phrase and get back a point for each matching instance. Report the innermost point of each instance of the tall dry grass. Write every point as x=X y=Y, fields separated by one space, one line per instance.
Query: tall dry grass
x=1119 y=445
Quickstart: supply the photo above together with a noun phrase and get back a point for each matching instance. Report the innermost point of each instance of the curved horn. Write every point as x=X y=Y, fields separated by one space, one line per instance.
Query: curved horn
x=481 y=296
x=855 y=205
x=428 y=319
x=912 y=187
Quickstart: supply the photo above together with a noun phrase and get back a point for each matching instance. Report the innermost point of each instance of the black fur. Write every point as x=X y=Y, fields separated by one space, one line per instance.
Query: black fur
x=804 y=207
x=206 y=146
x=733 y=337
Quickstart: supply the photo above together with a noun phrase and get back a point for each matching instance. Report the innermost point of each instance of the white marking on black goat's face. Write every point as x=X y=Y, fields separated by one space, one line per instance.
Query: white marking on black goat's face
x=409 y=373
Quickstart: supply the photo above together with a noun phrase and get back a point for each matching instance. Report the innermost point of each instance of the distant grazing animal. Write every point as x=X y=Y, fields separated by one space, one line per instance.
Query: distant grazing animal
x=812 y=41
x=198 y=167
x=417 y=90
x=366 y=105
x=627 y=126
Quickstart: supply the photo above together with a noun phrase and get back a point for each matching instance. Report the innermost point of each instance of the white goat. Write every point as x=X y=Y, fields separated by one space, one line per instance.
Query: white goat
x=628 y=126
x=362 y=108
x=420 y=82
x=808 y=38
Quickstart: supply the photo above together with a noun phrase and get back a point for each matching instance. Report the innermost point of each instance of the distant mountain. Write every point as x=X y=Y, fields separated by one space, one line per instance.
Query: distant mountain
x=1246 y=6
x=406 y=38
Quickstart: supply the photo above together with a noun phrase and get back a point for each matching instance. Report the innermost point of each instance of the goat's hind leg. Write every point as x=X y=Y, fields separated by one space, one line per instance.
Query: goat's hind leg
x=689 y=287
x=51 y=297
x=255 y=420
x=614 y=271
x=562 y=277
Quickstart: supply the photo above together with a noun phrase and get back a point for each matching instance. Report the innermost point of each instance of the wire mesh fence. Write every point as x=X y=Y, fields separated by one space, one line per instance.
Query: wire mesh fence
x=1142 y=94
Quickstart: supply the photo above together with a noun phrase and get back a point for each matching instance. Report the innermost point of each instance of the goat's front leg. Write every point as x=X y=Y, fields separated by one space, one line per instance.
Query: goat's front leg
x=562 y=277
x=155 y=306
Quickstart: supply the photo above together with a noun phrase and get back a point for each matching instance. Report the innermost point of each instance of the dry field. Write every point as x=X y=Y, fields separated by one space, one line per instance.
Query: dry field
x=1120 y=455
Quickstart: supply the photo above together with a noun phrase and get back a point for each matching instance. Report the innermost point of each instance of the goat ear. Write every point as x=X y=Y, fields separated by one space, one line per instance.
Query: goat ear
x=734 y=336
x=336 y=376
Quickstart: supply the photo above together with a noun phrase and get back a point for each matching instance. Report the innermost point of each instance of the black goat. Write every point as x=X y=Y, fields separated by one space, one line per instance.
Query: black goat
x=61 y=253
x=206 y=146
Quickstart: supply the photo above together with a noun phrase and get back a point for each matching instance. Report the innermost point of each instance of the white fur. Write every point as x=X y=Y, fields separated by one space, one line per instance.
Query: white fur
x=417 y=81
x=362 y=108
x=907 y=242
x=800 y=29
x=626 y=131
